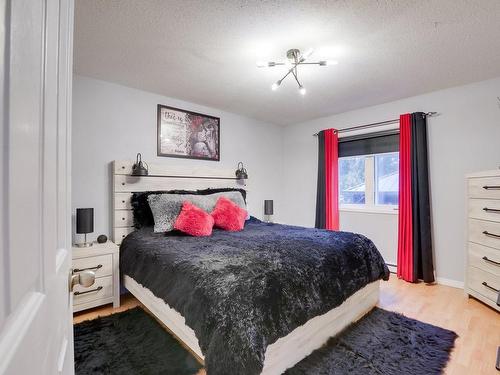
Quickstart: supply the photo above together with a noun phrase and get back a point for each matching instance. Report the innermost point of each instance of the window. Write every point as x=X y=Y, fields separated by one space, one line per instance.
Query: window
x=387 y=178
x=369 y=171
x=369 y=181
x=352 y=187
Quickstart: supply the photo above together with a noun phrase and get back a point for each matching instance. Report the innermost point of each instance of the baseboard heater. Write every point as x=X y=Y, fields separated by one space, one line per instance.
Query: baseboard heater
x=392 y=265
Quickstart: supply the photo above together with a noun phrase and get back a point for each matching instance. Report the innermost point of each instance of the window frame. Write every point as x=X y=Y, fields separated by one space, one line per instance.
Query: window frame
x=369 y=206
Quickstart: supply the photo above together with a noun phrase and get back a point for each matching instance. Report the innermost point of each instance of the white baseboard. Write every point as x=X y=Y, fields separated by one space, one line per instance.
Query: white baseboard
x=449 y=282
x=439 y=280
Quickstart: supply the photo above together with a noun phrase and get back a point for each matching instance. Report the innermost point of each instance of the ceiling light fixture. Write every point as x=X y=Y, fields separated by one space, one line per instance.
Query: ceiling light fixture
x=293 y=59
x=275 y=85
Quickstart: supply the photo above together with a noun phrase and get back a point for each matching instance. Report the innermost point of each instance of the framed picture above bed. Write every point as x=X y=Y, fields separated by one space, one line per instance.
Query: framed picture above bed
x=186 y=134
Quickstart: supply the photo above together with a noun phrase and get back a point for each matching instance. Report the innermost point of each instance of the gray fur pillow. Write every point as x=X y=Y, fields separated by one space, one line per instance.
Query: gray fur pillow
x=166 y=207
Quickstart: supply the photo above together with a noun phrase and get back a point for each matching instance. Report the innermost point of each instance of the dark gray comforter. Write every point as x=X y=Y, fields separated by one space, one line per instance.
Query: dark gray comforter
x=241 y=291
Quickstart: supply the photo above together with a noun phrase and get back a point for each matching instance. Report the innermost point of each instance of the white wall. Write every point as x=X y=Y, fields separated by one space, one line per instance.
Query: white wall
x=115 y=122
x=465 y=137
x=381 y=228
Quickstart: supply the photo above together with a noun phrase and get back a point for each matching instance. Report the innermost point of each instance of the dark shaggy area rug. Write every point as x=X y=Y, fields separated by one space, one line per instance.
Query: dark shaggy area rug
x=385 y=343
x=131 y=342
x=382 y=342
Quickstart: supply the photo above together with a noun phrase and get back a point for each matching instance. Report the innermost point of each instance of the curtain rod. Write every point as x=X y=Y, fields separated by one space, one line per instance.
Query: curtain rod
x=374 y=124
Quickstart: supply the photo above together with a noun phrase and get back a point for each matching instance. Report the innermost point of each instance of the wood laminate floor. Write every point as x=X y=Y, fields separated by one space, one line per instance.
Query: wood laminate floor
x=477 y=325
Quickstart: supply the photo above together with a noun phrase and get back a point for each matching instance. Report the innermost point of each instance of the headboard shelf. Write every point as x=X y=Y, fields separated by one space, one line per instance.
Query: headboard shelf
x=124 y=167
x=208 y=177
x=160 y=177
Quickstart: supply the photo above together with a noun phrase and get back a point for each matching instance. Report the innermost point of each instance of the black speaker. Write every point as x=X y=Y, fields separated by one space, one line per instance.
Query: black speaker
x=102 y=238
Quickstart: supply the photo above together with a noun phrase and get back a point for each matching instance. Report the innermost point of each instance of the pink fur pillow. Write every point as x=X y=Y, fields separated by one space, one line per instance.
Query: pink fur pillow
x=228 y=215
x=194 y=221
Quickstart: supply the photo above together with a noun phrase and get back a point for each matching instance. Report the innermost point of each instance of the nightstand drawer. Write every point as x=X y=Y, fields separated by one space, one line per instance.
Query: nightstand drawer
x=102 y=265
x=485 y=258
x=102 y=288
x=484 y=187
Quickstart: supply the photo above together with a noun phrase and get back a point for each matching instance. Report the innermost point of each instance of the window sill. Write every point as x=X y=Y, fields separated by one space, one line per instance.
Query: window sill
x=370 y=210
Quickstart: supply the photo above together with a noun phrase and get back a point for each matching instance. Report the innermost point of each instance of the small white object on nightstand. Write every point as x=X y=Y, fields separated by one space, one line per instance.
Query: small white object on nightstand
x=103 y=259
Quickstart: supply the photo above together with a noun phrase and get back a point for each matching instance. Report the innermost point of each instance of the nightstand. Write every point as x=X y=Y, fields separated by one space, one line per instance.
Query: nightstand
x=103 y=259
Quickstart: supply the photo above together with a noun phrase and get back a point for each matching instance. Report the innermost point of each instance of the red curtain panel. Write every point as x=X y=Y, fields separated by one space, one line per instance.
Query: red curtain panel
x=332 y=179
x=405 y=227
x=327 y=197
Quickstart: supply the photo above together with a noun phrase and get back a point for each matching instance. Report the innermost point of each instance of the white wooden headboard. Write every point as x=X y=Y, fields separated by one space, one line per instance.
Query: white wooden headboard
x=161 y=177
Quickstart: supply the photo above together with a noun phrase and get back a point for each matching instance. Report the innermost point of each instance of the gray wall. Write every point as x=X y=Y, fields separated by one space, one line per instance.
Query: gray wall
x=464 y=138
x=115 y=122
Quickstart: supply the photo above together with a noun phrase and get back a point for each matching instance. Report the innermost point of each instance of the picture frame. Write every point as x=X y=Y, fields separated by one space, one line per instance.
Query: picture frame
x=187 y=134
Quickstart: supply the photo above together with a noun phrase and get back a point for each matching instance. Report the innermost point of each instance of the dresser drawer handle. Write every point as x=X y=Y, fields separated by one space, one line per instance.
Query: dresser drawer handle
x=490 y=287
x=496 y=210
x=491 y=187
x=486 y=233
x=88 y=291
x=88 y=268
x=486 y=259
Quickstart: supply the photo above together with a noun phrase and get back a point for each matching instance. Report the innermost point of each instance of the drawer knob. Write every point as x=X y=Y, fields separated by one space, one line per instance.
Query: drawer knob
x=123 y=201
x=490 y=287
x=88 y=291
x=486 y=233
x=123 y=218
x=486 y=259
x=123 y=183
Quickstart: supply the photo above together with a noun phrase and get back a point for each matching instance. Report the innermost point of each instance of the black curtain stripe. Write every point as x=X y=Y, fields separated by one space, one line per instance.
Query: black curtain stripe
x=321 y=188
x=423 y=264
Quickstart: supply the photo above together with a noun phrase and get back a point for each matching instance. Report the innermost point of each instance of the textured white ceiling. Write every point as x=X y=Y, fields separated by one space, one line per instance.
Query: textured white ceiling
x=205 y=51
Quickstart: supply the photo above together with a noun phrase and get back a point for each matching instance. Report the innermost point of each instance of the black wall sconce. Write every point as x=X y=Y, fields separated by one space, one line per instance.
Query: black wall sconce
x=140 y=168
x=241 y=172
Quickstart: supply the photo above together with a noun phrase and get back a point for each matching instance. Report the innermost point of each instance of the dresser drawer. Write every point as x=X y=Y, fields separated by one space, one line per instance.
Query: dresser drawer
x=484 y=233
x=485 y=258
x=484 y=187
x=102 y=265
x=484 y=209
x=484 y=283
x=102 y=288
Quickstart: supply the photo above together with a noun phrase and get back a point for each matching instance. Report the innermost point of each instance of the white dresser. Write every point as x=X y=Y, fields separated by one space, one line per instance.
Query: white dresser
x=483 y=258
x=103 y=259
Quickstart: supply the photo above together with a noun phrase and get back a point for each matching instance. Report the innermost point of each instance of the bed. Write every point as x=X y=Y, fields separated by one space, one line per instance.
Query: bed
x=250 y=302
